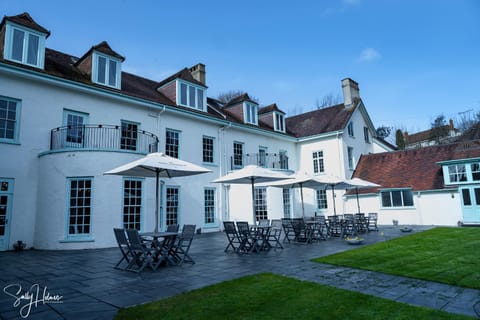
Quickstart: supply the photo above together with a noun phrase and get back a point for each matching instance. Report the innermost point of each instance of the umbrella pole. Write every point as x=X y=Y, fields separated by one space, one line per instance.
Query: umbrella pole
x=303 y=205
x=156 y=200
x=334 y=207
x=358 y=202
x=252 y=179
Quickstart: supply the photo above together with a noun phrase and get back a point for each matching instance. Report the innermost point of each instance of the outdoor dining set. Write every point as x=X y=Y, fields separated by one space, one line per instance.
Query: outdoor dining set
x=154 y=249
x=266 y=235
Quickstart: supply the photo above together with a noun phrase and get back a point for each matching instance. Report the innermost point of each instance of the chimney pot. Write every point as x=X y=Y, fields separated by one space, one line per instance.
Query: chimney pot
x=198 y=73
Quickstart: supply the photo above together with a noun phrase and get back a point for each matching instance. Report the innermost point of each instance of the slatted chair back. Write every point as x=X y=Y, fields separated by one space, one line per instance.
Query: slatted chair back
x=232 y=235
x=142 y=255
x=182 y=247
x=276 y=234
x=287 y=229
x=124 y=247
x=173 y=227
x=372 y=221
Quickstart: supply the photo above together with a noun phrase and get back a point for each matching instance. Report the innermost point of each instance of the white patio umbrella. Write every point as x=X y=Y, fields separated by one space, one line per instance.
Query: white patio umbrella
x=250 y=175
x=358 y=183
x=300 y=180
x=158 y=165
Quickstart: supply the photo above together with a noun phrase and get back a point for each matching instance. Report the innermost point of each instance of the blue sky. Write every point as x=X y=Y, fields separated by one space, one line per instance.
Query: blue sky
x=412 y=59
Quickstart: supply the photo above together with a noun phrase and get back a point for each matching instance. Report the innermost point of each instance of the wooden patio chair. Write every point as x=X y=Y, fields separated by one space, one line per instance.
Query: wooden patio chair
x=232 y=236
x=143 y=255
x=124 y=247
x=182 y=246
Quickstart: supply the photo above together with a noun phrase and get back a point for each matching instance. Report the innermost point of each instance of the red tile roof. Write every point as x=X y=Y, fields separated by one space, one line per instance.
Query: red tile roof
x=26 y=20
x=415 y=168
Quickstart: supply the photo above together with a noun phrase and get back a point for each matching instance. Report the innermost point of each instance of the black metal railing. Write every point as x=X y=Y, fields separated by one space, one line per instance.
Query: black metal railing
x=266 y=160
x=103 y=137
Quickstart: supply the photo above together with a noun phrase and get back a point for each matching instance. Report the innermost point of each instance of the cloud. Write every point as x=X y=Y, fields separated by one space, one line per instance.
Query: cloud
x=369 y=54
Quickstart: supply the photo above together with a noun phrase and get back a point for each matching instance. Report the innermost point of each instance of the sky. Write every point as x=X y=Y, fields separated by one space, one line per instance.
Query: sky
x=413 y=59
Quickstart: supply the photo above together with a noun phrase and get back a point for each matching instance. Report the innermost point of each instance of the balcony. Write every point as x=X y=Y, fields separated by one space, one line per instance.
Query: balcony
x=103 y=138
x=266 y=160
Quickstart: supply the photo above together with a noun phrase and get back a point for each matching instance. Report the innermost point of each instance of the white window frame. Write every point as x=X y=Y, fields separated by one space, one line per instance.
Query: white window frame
x=351 y=158
x=278 y=122
x=250 y=113
x=167 y=151
x=350 y=129
x=125 y=140
x=321 y=197
x=390 y=197
x=172 y=206
x=8 y=49
x=204 y=151
x=234 y=164
x=262 y=157
x=366 y=134
x=95 y=70
x=209 y=205
x=465 y=172
x=287 y=202
x=261 y=207
x=195 y=96
x=318 y=162
x=127 y=207
x=79 y=236
x=5 y=121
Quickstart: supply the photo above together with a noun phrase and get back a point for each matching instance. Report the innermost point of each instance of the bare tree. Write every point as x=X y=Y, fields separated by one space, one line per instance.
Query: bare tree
x=231 y=94
x=328 y=100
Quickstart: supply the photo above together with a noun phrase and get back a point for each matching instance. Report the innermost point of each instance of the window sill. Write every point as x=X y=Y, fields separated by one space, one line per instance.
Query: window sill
x=10 y=142
x=79 y=239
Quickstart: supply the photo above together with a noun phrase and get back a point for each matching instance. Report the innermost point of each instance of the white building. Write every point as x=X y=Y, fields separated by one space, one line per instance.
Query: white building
x=65 y=120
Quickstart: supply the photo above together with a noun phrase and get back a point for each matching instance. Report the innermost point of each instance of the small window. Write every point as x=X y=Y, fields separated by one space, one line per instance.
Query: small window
x=475 y=167
x=318 y=166
x=279 y=122
x=209 y=205
x=366 y=134
x=208 y=149
x=457 y=173
x=350 y=130
x=191 y=96
x=351 y=161
x=129 y=137
x=237 y=155
x=106 y=70
x=9 y=119
x=262 y=157
x=24 y=46
x=172 y=143
x=397 y=198
x=75 y=123
x=251 y=111
x=283 y=158
x=322 y=199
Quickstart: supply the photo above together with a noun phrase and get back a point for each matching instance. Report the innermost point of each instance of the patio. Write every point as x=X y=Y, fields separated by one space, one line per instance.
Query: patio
x=92 y=289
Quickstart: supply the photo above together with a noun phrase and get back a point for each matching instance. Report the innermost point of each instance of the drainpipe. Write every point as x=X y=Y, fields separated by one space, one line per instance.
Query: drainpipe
x=222 y=169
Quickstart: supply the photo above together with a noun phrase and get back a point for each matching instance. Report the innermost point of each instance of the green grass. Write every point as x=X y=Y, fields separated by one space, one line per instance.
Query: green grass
x=268 y=296
x=447 y=255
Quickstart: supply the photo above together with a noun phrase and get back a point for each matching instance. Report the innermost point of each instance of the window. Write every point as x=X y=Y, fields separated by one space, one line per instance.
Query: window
x=75 y=123
x=366 y=135
x=191 y=96
x=350 y=130
x=262 y=157
x=351 y=162
x=172 y=143
x=106 y=70
x=283 y=159
x=251 y=111
x=457 y=173
x=172 y=205
x=132 y=203
x=318 y=166
x=129 y=137
x=237 y=155
x=9 y=119
x=475 y=167
x=24 y=46
x=287 y=205
x=208 y=149
x=209 y=205
x=79 y=209
x=261 y=212
x=321 y=199
x=279 y=122
x=397 y=198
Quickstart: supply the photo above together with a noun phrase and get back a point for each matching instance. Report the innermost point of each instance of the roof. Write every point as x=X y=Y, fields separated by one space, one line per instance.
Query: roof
x=26 y=20
x=427 y=135
x=103 y=47
x=414 y=168
x=183 y=74
x=238 y=99
x=472 y=133
x=270 y=108
x=320 y=121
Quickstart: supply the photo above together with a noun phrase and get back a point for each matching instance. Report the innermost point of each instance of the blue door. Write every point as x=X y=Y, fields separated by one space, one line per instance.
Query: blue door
x=471 y=204
x=6 y=193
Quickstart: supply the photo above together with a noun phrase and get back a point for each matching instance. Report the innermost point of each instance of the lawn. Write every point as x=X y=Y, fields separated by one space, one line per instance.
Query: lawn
x=447 y=255
x=269 y=296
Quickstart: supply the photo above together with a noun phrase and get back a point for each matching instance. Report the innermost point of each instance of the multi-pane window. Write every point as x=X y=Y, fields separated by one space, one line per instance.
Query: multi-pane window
x=279 y=122
x=287 y=205
x=351 y=133
x=132 y=203
x=209 y=205
x=129 y=137
x=9 y=114
x=475 y=168
x=237 y=155
x=366 y=134
x=321 y=199
x=283 y=159
x=79 y=206
x=318 y=166
x=351 y=162
x=172 y=194
x=25 y=46
x=457 y=173
x=251 y=111
x=397 y=198
x=262 y=157
x=75 y=122
x=172 y=143
x=192 y=96
x=106 y=70
x=208 y=149
x=260 y=198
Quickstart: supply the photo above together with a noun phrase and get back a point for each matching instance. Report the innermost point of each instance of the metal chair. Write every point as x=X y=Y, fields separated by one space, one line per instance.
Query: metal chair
x=124 y=246
x=276 y=234
x=182 y=246
x=248 y=242
x=143 y=256
x=372 y=221
x=232 y=235
x=288 y=230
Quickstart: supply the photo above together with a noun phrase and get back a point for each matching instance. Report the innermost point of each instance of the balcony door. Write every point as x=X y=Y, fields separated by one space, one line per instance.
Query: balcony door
x=74 y=133
x=6 y=195
x=471 y=204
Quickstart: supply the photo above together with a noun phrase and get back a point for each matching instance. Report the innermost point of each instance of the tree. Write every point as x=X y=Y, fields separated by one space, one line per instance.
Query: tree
x=399 y=139
x=328 y=100
x=439 y=128
x=383 y=131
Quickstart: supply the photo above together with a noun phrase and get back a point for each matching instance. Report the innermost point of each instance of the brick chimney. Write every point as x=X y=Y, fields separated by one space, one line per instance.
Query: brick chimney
x=350 y=92
x=198 y=73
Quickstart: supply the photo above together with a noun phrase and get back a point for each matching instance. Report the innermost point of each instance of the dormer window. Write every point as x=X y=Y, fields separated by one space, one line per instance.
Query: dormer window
x=106 y=70
x=279 y=123
x=24 y=45
x=251 y=113
x=191 y=96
